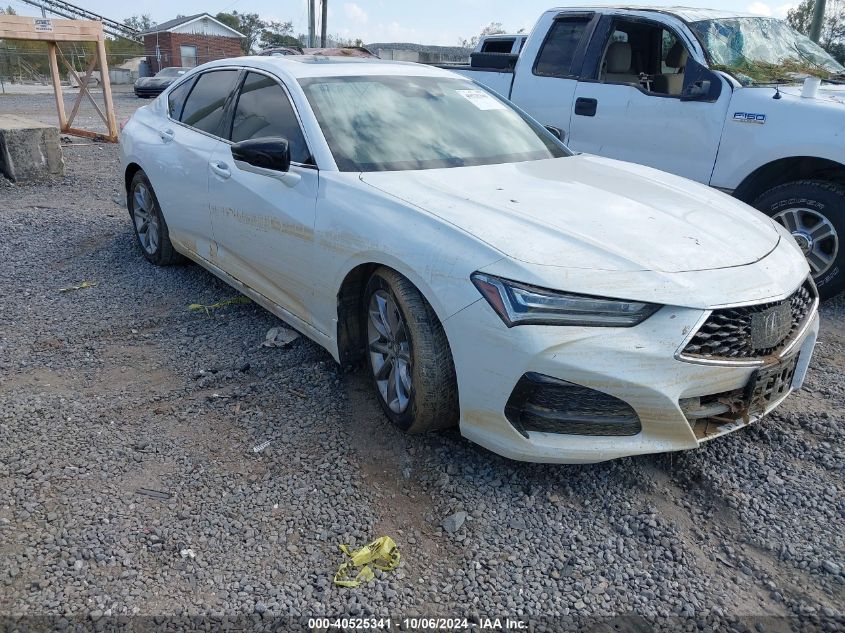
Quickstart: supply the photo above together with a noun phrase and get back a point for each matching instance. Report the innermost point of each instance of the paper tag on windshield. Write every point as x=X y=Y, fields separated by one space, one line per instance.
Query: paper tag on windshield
x=481 y=100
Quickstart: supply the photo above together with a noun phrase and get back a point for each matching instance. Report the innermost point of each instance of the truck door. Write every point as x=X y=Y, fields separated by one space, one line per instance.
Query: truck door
x=546 y=74
x=642 y=98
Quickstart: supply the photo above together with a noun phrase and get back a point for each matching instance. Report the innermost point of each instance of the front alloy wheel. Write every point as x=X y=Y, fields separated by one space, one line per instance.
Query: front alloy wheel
x=409 y=356
x=390 y=351
x=815 y=235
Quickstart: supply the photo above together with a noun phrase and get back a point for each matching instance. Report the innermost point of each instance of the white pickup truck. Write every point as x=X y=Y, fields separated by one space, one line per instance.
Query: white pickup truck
x=712 y=96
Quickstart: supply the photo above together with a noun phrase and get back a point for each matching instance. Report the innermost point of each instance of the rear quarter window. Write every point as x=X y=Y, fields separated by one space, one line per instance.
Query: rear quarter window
x=176 y=99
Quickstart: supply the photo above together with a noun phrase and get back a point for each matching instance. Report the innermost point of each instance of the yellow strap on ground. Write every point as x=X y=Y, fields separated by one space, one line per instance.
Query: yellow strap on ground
x=381 y=554
x=82 y=286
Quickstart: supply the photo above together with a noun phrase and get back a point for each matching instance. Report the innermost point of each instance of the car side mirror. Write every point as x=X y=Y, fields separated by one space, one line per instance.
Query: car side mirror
x=270 y=152
x=697 y=91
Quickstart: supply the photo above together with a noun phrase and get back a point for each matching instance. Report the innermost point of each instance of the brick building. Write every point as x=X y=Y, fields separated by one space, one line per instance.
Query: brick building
x=190 y=41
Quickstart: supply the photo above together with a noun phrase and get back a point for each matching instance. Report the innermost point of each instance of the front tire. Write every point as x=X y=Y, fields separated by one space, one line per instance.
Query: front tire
x=150 y=228
x=409 y=356
x=814 y=212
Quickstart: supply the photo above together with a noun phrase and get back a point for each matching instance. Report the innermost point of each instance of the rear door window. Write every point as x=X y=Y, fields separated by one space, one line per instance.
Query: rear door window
x=204 y=108
x=264 y=110
x=558 y=52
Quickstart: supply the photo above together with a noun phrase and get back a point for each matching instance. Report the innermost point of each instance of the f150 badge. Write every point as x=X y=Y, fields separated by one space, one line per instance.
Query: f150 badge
x=749 y=117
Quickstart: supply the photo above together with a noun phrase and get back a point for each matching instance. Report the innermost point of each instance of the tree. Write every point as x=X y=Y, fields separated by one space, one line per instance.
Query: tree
x=278 y=34
x=229 y=20
x=833 y=28
x=140 y=22
x=494 y=28
x=248 y=24
x=838 y=52
x=8 y=11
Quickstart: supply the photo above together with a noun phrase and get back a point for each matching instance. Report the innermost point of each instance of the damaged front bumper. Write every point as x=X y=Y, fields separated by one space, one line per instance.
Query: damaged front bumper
x=632 y=394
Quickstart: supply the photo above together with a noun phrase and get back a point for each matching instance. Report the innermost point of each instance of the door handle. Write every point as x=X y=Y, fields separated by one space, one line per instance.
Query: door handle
x=166 y=135
x=586 y=107
x=221 y=169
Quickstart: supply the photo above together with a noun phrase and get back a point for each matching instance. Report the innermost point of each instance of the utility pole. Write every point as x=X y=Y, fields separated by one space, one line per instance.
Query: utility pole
x=324 y=6
x=818 y=20
x=312 y=26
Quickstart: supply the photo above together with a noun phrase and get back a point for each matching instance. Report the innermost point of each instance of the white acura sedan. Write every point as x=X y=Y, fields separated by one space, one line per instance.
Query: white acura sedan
x=558 y=307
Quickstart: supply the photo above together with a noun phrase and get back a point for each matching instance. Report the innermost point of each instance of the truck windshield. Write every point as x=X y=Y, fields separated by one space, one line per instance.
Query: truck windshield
x=388 y=123
x=763 y=50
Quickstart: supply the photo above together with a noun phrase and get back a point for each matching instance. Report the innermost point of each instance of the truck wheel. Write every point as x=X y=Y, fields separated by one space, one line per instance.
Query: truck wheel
x=814 y=212
x=409 y=356
x=148 y=222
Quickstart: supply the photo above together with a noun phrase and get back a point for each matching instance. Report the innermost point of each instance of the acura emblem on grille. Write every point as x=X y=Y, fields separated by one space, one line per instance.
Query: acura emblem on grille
x=771 y=326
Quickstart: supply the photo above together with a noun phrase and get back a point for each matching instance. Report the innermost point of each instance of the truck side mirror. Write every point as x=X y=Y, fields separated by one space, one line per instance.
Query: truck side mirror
x=556 y=132
x=697 y=91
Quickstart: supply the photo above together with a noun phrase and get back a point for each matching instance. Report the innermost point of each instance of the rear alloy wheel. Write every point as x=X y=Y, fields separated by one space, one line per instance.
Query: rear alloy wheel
x=814 y=212
x=148 y=222
x=409 y=356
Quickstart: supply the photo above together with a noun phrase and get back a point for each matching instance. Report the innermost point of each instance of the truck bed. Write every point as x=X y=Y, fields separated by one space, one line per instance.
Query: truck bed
x=496 y=79
x=494 y=70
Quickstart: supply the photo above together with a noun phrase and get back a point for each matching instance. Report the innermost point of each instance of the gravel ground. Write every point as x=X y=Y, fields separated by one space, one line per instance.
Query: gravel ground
x=117 y=388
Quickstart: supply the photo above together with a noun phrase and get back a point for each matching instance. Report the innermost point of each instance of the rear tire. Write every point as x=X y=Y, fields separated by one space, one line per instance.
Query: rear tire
x=814 y=212
x=408 y=355
x=148 y=222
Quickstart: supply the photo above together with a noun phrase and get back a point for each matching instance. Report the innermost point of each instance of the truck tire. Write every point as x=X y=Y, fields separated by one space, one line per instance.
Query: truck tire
x=814 y=212
x=409 y=356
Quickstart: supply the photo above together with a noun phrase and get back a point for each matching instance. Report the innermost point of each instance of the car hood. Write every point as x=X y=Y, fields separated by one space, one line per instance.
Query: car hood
x=589 y=212
x=155 y=81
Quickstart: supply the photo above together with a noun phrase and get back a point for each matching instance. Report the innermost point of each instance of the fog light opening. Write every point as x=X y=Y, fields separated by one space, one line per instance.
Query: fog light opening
x=543 y=404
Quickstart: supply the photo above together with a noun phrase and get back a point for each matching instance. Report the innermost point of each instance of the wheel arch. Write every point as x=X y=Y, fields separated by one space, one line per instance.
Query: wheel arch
x=129 y=174
x=350 y=294
x=784 y=170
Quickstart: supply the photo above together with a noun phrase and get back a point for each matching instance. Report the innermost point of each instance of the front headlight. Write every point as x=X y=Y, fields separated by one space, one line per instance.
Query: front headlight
x=521 y=304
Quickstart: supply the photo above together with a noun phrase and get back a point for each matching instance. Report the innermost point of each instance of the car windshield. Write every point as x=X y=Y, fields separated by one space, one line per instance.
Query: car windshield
x=763 y=50
x=171 y=72
x=387 y=123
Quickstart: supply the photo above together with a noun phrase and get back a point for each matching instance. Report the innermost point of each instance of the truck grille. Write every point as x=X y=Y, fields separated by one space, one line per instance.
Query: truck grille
x=735 y=333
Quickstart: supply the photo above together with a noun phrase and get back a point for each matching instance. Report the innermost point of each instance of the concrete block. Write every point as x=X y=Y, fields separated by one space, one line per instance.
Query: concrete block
x=29 y=150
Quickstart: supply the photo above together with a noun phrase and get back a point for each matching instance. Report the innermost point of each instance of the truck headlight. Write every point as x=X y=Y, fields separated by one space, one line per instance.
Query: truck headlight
x=520 y=304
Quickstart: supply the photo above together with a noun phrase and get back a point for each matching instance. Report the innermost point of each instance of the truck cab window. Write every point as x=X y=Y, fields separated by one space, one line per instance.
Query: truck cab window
x=504 y=45
x=645 y=55
x=558 y=51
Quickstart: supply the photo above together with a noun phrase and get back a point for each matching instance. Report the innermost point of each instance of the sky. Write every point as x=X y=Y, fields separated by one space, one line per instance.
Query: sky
x=443 y=22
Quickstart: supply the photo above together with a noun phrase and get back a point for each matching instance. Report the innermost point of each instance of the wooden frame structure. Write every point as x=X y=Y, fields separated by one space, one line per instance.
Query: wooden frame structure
x=18 y=27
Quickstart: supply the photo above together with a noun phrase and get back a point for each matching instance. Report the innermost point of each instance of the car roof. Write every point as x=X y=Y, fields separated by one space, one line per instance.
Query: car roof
x=687 y=14
x=302 y=66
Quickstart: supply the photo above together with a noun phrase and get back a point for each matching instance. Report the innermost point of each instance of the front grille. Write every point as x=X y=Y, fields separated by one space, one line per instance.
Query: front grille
x=727 y=333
